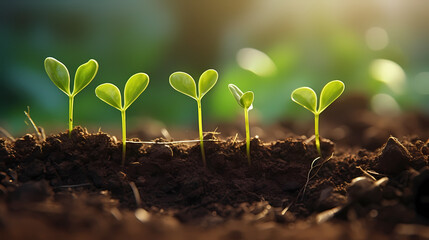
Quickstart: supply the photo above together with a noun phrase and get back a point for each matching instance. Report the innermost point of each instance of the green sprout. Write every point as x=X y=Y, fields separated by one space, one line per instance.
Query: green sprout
x=307 y=98
x=111 y=95
x=245 y=100
x=60 y=76
x=184 y=83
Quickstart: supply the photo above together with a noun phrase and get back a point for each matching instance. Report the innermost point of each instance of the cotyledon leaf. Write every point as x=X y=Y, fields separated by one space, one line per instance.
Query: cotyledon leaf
x=206 y=82
x=110 y=94
x=247 y=100
x=84 y=75
x=135 y=85
x=305 y=97
x=58 y=74
x=330 y=92
x=184 y=83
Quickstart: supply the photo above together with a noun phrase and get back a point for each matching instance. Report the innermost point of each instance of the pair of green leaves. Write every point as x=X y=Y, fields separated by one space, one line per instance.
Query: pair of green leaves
x=307 y=98
x=111 y=95
x=245 y=100
x=184 y=83
x=60 y=76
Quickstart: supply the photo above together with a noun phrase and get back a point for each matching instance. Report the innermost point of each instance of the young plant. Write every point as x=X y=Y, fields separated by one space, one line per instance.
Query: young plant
x=59 y=75
x=307 y=98
x=111 y=95
x=245 y=100
x=184 y=83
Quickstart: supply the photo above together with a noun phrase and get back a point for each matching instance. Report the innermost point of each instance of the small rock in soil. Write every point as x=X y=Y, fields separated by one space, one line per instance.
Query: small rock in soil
x=394 y=158
x=363 y=190
x=328 y=199
x=158 y=151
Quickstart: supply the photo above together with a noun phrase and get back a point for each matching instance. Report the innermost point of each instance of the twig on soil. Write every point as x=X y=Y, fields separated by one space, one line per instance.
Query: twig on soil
x=310 y=139
x=136 y=194
x=287 y=208
x=172 y=142
x=366 y=173
x=235 y=138
x=74 y=185
x=214 y=132
x=39 y=131
x=6 y=134
x=165 y=133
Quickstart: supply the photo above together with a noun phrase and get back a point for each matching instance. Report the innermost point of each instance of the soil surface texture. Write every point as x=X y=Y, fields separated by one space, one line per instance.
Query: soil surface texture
x=74 y=187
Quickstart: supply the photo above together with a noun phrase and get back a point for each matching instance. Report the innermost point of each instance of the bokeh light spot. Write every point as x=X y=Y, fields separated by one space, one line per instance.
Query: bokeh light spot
x=256 y=61
x=390 y=73
x=376 y=38
x=384 y=104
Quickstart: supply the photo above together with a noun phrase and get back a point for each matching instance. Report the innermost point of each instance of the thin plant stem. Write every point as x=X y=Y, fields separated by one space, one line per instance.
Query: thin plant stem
x=124 y=136
x=200 y=126
x=316 y=133
x=246 y=119
x=71 y=99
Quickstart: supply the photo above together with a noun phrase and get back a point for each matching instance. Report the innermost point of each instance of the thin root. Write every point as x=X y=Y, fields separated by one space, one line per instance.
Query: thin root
x=7 y=134
x=136 y=194
x=39 y=131
x=366 y=173
x=319 y=166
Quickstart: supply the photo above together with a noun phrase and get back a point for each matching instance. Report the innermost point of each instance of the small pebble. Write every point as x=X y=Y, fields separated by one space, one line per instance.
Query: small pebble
x=394 y=158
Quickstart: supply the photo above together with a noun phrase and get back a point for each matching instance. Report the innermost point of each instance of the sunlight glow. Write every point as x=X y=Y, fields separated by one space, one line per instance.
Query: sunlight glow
x=384 y=104
x=256 y=61
x=390 y=73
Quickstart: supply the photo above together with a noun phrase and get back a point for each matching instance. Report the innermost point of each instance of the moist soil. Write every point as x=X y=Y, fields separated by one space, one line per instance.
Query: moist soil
x=75 y=187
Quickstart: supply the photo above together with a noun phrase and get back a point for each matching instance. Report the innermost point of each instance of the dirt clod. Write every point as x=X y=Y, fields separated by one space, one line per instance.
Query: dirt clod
x=394 y=157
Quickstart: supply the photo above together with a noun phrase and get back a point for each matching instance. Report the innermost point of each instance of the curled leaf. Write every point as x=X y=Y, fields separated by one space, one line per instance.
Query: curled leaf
x=236 y=92
x=245 y=100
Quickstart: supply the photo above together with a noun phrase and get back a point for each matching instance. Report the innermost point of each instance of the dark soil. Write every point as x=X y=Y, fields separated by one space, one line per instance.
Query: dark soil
x=76 y=188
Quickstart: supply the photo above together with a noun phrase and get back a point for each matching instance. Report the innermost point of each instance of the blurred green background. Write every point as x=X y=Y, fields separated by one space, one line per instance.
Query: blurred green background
x=378 y=48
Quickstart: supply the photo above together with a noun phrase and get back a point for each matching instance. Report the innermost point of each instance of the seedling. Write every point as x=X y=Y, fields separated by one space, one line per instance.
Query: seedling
x=60 y=76
x=307 y=98
x=184 y=83
x=111 y=95
x=245 y=100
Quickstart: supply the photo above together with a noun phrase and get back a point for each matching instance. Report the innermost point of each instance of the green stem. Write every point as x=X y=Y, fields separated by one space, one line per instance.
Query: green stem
x=71 y=98
x=124 y=137
x=246 y=119
x=316 y=133
x=200 y=125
